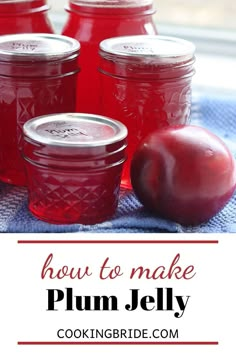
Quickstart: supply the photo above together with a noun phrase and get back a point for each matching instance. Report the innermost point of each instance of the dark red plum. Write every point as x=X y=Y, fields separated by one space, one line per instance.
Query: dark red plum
x=185 y=174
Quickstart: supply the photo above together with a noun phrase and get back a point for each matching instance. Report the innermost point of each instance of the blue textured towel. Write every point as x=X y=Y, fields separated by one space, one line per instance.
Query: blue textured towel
x=214 y=112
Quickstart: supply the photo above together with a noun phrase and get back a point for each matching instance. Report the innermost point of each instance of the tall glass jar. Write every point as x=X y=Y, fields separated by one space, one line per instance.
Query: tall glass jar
x=38 y=75
x=91 y=21
x=24 y=16
x=146 y=85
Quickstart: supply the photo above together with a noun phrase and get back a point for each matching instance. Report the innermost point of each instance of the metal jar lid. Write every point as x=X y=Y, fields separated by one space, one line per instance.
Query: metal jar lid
x=112 y=3
x=154 y=47
x=37 y=47
x=74 y=130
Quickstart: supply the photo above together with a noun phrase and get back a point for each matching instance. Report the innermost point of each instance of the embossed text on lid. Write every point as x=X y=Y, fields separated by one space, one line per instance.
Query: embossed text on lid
x=39 y=46
x=75 y=129
x=148 y=46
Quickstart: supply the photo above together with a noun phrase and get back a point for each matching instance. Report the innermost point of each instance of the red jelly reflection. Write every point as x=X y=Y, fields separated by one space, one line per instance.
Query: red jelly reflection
x=146 y=84
x=91 y=21
x=24 y=16
x=74 y=165
x=37 y=76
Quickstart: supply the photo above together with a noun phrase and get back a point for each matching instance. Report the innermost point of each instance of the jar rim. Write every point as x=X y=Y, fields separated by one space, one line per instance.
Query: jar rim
x=112 y=3
x=5 y=1
x=153 y=47
x=21 y=7
x=74 y=130
x=40 y=46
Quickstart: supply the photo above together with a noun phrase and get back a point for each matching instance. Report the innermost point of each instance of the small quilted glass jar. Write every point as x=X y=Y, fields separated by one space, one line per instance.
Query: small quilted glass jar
x=24 y=16
x=38 y=75
x=146 y=85
x=74 y=165
x=90 y=22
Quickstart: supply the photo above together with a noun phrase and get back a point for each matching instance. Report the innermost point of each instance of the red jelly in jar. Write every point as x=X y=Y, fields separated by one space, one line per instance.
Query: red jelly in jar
x=74 y=165
x=146 y=84
x=24 y=16
x=91 y=21
x=38 y=74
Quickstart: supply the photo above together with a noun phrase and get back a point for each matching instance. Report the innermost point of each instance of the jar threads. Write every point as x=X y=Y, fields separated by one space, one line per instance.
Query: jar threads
x=25 y=16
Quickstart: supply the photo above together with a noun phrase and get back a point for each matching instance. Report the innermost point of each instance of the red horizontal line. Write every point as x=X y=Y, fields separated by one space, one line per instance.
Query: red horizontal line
x=118 y=343
x=118 y=241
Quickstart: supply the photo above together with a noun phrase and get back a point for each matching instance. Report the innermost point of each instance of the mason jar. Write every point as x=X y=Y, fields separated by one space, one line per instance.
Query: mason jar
x=24 y=16
x=91 y=21
x=146 y=85
x=38 y=75
x=74 y=165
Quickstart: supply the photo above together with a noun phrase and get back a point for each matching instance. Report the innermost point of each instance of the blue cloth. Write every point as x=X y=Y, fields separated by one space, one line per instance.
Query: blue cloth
x=214 y=112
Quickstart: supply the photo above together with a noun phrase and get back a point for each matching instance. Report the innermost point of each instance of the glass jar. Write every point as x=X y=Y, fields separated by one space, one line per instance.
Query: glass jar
x=146 y=85
x=38 y=75
x=90 y=22
x=74 y=165
x=24 y=16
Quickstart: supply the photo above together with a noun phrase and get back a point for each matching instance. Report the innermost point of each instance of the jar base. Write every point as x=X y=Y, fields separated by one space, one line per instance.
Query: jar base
x=125 y=179
x=126 y=185
x=79 y=220
x=11 y=179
